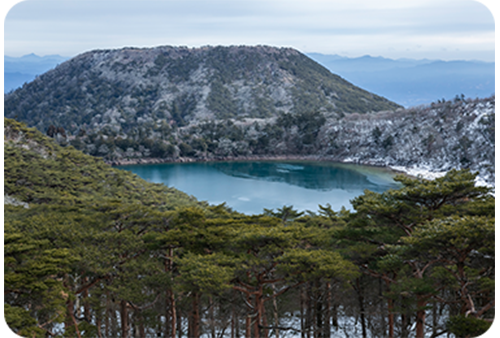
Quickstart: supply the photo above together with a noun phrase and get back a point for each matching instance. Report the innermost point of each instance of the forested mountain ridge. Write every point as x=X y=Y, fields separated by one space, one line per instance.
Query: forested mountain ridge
x=92 y=251
x=456 y=134
x=131 y=87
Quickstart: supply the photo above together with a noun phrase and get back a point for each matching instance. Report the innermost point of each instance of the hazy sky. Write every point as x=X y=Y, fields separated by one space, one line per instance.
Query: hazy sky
x=444 y=29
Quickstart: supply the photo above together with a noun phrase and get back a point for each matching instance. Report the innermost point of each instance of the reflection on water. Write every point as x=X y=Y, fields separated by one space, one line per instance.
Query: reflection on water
x=251 y=186
x=316 y=176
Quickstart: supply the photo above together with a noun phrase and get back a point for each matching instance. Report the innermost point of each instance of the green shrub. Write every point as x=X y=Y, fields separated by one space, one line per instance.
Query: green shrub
x=467 y=327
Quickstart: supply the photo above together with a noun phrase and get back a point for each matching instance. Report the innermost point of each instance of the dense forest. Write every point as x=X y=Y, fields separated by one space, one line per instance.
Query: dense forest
x=443 y=135
x=93 y=251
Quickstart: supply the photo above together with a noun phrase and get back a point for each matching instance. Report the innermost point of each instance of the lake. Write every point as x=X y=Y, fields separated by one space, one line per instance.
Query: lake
x=249 y=187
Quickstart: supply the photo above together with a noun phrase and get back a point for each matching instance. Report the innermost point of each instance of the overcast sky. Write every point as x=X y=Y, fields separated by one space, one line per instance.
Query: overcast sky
x=435 y=29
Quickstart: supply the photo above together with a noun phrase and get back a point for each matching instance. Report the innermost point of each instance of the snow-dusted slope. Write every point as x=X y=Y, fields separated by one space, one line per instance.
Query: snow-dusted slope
x=426 y=140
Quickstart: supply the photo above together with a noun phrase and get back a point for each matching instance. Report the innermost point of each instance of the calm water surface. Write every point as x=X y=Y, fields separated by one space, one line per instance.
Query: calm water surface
x=249 y=187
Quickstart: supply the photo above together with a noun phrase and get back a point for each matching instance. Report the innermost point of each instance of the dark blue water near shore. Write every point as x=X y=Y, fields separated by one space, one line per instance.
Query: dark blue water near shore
x=249 y=187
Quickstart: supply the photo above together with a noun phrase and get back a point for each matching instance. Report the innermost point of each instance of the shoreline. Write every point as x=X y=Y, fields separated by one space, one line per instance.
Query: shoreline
x=317 y=158
x=397 y=169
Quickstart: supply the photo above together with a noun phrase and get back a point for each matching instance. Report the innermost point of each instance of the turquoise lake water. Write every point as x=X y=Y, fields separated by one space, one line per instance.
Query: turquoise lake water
x=249 y=187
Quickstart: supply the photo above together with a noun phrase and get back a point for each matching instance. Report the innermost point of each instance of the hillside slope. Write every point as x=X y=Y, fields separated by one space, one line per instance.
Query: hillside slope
x=37 y=171
x=130 y=87
x=456 y=134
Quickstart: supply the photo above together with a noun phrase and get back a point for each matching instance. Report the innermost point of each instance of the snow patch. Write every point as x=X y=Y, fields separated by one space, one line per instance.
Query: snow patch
x=419 y=172
x=430 y=175
x=14 y=201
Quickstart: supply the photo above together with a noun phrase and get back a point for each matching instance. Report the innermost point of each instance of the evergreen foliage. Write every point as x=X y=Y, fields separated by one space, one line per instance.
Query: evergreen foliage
x=92 y=251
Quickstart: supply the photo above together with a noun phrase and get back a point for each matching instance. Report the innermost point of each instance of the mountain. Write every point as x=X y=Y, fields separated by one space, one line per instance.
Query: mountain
x=235 y=103
x=365 y=63
x=32 y=63
x=20 y=70
x=16 y=80
x=120 y=89
x=413 y=82
x=405 y=81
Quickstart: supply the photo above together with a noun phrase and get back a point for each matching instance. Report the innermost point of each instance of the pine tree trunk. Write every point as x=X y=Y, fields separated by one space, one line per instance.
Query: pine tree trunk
x=308 y=310
x=390 y=308
x=434 y=319
x=302 y=313
x=98 y=324
x=276 y=317
x=173 y=314
x=167 y=315
x=248 y=328
x=390 y=312
x=71 y=321
x=381 y=307
x=234 y=334
x=248 y=320
x=361 y=302
x=114 y=321
x=258 y=319
x=318 y=308
x=142 y=332
x=212 y=317
x=404 y=325
x=195 y=315
x=85 y=301
x=139 y=324
x=179 y=324
x=264 y=321
x=171 y=298
x=420 y=324
x=124 y=319
x=335 y=315
x=107 y=315
x=328 y=311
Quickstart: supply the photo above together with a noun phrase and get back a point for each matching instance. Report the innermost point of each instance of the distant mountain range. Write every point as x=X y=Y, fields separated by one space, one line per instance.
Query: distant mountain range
x=407 y=82
x=413 y=82
x=24 y=69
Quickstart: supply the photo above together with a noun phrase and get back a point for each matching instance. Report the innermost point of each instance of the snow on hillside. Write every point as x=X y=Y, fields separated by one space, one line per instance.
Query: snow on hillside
x=426 y=140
